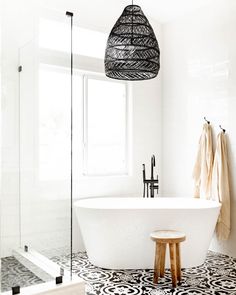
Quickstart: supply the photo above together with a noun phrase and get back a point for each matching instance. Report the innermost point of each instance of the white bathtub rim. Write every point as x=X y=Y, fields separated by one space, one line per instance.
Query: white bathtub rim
x=103 y=203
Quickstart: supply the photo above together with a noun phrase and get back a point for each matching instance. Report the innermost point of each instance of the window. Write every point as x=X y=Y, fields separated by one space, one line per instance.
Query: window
x=100 y=124
x=105 y=127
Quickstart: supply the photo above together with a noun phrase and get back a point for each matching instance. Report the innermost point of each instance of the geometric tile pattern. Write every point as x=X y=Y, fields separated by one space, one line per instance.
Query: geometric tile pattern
x=217 y=276
x=13 y=273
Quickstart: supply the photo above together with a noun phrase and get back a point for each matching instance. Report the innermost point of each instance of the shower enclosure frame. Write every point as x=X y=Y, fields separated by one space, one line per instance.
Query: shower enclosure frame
x=58 y=279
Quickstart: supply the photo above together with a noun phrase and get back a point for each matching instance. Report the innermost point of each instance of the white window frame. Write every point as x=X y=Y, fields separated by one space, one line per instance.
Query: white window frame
x=85 y=171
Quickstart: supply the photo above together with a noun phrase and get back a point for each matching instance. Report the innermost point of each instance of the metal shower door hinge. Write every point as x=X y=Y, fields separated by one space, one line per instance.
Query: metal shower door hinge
x=59 y=280
x=15 y=290
x=68 y=13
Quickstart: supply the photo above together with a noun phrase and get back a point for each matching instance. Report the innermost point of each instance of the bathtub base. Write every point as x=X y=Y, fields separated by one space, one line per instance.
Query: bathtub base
x=116 y=231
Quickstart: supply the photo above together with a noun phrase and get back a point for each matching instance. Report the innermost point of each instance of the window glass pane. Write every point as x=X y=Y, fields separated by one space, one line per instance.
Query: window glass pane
x=55 y=35
x=106 y=127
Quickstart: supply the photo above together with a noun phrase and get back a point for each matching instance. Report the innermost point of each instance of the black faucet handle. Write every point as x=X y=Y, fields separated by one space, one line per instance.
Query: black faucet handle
x=153 y=160
x=144 y=172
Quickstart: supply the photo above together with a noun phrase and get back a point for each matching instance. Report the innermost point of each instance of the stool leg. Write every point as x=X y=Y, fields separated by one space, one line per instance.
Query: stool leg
x=173 y=264
x=157 y=263
x=178 y=262
x=163 y=256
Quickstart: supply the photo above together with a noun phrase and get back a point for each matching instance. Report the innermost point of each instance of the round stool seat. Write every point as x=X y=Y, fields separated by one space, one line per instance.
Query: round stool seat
x=168 y=236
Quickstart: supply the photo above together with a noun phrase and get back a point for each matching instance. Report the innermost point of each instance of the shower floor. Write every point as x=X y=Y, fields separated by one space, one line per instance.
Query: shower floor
x=13 y=273
x=217 y=276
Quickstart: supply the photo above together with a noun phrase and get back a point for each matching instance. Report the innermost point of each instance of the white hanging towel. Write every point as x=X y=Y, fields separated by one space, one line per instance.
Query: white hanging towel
x=221 y=186
x=202 y=171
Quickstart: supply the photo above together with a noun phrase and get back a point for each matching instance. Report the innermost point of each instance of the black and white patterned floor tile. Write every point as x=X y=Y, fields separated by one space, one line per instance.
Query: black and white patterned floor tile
x=13 y=273
x=217 y=276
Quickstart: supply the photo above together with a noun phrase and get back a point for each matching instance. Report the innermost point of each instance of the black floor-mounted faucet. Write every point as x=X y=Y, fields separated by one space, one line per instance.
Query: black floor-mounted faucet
x=152 y=183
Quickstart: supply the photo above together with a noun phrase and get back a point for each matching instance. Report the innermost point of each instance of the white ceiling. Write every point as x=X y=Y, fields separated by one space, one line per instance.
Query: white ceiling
x=160 y=10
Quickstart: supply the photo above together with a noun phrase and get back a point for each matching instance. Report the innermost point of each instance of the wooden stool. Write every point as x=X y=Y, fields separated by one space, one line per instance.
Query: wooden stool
x=162 y=238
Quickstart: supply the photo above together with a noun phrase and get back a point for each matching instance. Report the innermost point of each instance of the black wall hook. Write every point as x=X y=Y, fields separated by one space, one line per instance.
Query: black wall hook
x=208 y=122
x=222 y=128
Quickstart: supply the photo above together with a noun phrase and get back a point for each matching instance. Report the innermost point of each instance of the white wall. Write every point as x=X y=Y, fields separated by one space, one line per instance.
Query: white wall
x=199 y=79
x=37 y=216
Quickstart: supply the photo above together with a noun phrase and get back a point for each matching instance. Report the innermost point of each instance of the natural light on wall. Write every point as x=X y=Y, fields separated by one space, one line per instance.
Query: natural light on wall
x=102 y=141
x=55 y=35
x=54 y=124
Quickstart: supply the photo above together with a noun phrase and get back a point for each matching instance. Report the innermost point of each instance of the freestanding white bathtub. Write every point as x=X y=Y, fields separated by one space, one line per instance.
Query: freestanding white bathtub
x=116 y=231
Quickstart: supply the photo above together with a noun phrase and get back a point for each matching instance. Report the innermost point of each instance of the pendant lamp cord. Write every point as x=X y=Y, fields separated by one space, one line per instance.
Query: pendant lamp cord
x=70 y=14
x=132 y=25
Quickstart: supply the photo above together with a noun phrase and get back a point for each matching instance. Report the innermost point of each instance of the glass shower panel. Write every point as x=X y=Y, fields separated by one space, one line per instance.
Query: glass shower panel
x=45 y=146
x=45 y=152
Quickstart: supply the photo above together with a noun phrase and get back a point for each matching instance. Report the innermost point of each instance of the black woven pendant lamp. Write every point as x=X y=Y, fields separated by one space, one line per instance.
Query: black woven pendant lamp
x=132 y=51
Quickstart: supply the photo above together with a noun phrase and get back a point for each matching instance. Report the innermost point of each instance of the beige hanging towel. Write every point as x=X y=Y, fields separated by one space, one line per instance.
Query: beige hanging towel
x=202 y=171
x=221 y=186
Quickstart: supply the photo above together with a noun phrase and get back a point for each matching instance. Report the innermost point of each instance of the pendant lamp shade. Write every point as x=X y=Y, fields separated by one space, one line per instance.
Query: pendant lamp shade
x=132 y=51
